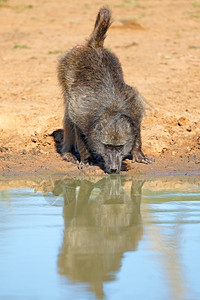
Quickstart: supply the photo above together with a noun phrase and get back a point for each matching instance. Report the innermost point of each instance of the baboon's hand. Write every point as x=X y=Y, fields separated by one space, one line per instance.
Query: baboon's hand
x=84 y=164
x=139 y=157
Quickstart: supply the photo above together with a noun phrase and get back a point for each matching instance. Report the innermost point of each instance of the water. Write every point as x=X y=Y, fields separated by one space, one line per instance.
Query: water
x=109 y=238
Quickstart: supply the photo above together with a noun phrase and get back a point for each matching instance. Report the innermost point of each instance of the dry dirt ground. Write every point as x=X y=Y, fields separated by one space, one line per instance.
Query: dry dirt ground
x=158 y=44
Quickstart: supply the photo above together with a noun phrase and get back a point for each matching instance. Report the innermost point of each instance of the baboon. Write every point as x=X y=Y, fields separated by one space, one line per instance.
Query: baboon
x=102 y=113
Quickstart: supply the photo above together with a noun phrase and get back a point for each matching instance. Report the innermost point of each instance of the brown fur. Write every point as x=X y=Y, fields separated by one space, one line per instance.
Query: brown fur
x=102 y=113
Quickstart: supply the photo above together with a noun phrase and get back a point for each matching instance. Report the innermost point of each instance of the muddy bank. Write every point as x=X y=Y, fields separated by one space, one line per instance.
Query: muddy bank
x=157 y=44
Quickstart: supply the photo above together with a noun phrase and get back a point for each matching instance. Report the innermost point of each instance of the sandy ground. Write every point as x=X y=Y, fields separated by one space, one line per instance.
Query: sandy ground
x=158 y=44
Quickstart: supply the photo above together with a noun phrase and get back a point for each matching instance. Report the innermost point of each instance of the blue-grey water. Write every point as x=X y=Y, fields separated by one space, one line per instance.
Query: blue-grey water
x=112 y=238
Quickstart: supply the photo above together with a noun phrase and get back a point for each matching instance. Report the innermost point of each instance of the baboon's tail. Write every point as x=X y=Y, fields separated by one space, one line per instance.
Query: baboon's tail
x=102 y=24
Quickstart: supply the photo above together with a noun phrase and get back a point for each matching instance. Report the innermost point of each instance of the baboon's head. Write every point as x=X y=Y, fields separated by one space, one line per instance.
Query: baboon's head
x=113 y=138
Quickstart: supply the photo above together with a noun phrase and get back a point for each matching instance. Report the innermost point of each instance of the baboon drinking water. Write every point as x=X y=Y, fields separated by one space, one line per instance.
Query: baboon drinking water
x=102 y=113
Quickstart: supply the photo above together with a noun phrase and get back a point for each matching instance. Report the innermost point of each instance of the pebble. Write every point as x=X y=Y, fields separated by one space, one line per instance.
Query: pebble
x=3 y=149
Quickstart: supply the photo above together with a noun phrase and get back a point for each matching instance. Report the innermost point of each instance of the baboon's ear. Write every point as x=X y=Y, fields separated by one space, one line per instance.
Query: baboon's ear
x=130 y=120
x=99 y=126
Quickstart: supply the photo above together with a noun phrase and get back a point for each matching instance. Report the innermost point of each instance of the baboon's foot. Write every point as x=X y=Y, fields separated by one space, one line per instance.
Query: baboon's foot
x=82 y=165
x=68 y=156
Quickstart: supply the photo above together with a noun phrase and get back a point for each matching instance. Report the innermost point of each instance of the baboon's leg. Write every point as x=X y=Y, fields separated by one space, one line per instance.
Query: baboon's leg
x=137 y=154
x=136 y=192
x=69 y=141
x=82 y=149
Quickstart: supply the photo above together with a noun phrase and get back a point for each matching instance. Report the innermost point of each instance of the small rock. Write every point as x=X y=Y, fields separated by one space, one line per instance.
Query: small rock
x=33 y=139
x=189 y=129
x=35 y=151
x=48 y=140
x=196 y=159
x=164 y=150
x=3 y=149
x=182 y=121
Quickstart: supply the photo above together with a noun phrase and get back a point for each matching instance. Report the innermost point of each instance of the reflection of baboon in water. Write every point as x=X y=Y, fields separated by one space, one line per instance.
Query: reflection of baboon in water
x=102 y=221
x=103 y=114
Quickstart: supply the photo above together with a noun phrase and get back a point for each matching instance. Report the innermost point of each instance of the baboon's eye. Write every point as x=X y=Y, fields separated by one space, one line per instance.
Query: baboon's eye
x=113 y=147
x=99 y=127
x=119 y=147
x=108 y=147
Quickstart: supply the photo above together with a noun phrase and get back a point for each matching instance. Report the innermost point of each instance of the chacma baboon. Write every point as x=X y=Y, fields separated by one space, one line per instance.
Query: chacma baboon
x=102 y=113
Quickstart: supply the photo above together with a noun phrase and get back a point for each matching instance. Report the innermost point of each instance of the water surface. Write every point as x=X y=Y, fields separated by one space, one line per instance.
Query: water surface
x=111 y=238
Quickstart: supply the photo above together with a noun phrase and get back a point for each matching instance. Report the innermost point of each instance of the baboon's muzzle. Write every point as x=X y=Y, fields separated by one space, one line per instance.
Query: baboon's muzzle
x=113 y=165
